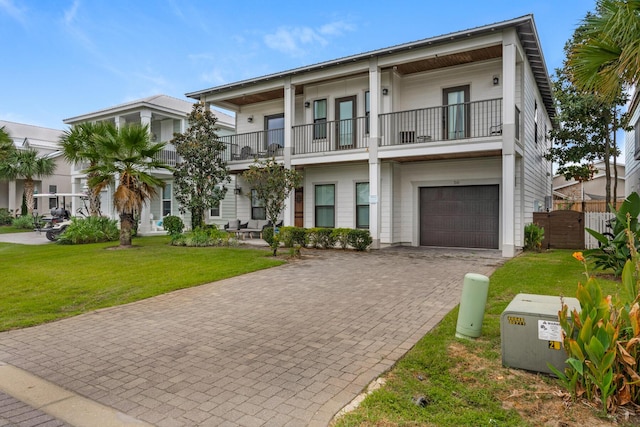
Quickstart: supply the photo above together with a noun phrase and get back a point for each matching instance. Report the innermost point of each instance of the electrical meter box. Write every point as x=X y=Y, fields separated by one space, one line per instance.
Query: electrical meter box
x=531 y=334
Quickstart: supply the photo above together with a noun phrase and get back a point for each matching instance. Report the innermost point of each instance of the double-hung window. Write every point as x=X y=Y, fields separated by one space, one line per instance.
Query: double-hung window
x=367 y=110
x=166 y=200
x=325 y=205
x=215 y=210
x=362 y=205
x=320 y=119
x=258 y=210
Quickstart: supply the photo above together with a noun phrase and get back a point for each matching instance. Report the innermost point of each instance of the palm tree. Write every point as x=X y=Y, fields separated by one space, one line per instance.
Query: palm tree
x=27 y=164
x=609 y=53
x=127 y=156
x=78 y=145
x=6 y=144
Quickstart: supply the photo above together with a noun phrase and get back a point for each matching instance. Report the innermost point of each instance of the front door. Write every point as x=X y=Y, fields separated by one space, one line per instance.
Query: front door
x=274 y=128
x=456 y=112
x=299 y=207
x=345 y=122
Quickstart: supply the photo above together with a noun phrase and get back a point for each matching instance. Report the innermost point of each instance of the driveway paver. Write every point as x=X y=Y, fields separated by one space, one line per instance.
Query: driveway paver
x=289 y=345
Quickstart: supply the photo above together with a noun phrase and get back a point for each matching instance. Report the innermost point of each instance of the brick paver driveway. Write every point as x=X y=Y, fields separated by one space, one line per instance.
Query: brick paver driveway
x=286 y=346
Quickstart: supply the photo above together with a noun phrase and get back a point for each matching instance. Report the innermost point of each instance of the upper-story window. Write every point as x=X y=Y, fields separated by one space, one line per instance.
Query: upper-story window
x=367 y=109
x=457 y=120
x=320 y=119
x=535 y=120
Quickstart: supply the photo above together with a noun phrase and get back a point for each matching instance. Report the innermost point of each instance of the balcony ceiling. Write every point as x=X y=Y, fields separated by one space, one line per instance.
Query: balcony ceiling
x=454 y=59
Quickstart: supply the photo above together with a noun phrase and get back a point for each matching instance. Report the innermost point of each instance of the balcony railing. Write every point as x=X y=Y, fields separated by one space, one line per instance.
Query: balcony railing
x=248 y=146
x=331 y=136
x=448 y=122
x=169 y=157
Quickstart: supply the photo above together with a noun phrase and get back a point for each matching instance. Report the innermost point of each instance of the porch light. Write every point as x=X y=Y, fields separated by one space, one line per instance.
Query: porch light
x=250 y=119
x=307 y=104
x=385 y=91
x=496 y=80
x=237 y=191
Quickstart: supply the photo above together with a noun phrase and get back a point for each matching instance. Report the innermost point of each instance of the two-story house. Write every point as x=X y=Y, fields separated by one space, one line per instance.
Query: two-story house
x=436 y=142
x=632 y=146
x=165 y=116
x=45 y=141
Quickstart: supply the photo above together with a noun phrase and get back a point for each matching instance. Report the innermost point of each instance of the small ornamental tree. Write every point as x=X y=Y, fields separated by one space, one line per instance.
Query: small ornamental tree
x=201 y=170
x=272 y=183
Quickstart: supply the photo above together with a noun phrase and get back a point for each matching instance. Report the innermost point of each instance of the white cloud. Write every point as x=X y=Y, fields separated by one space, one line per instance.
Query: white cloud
x=70 y=14
x=213 y=77
x=296 y=41
x=13 y=11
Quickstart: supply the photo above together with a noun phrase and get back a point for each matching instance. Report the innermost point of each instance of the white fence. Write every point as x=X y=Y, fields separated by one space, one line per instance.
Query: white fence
x=596 y=221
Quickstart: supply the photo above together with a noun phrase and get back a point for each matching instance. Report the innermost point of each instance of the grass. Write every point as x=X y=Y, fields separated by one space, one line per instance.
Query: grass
x=463 y=381
x=6 y=229
x=49 y=282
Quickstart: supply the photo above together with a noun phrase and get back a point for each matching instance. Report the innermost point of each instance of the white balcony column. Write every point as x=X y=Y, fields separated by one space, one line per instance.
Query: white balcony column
x=145 y=214
x=12 y=196
x=508 y=187
x=118 y=121
x=288 y=216
x=374 y=161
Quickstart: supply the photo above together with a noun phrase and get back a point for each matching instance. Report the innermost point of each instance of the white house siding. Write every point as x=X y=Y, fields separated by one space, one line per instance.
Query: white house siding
x=345 y=178
x=483 y=171
x=537 y=170
x=632 y=166
x=354 y=86
x=425 y=89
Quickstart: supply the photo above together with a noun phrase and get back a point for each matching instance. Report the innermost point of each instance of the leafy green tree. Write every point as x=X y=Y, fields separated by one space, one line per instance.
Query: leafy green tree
x=272 y=183
x=608 y=54
x=127 y=156
x=201 y=173
x=27 y=165
x=585 y=126
x=6 y=144
x=79 y=145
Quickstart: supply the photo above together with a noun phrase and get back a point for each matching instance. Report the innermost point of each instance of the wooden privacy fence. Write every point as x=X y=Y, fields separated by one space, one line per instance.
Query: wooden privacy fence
x=562 y=229
x=589 y=205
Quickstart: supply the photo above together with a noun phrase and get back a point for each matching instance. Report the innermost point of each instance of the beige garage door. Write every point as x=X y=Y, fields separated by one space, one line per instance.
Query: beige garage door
x=464 y=216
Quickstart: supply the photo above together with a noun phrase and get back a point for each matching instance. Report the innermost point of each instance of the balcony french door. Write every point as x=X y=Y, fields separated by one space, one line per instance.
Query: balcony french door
x=345 y=123
x=456 y=112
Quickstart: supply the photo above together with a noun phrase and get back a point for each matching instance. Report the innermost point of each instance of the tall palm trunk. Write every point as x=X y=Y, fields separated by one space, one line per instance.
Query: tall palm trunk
x=94 y=197
x=28 y=194
x=126 y=226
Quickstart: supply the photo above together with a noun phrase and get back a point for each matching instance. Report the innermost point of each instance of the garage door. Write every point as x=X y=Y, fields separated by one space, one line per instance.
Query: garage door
x=465 y=216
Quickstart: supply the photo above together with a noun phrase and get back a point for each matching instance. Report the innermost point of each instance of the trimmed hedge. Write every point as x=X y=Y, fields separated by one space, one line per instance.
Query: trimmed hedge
x=325 y=238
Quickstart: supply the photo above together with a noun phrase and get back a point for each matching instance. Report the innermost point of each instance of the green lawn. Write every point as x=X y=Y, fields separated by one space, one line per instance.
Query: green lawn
x=6 y=229
x=49 y=282
x=463 y=381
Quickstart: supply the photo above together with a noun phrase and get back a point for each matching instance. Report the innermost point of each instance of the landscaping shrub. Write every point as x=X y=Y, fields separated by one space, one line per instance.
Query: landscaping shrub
x=173 y=224
x=24 y=222
x=92 y=229
x=360 y=239
x=341 y=236
x=320 y=237
x=292 y=236
x=533 y=237
x=5 y=217
x=267 y=235
x=207 y=236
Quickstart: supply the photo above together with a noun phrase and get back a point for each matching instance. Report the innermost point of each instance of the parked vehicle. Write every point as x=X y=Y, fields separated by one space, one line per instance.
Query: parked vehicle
x=58 y=220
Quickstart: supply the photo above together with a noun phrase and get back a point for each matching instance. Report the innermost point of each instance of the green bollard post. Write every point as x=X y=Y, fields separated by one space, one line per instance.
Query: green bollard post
x=472 y=305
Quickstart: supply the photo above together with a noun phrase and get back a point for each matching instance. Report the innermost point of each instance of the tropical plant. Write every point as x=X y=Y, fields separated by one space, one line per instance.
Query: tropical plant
x=24 y=222
x=28 y=165
x=200 y=175
x=602 y=340
x=79 y=145
x=272 y=184
x=205 y=236
x=5 y=216
x=92 y=229
x=609 y=54
x=614 y=252
x=128 y=155
x=533 y=237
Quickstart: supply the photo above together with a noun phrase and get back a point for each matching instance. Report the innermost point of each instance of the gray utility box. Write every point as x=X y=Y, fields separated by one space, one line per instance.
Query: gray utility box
x=531 y=333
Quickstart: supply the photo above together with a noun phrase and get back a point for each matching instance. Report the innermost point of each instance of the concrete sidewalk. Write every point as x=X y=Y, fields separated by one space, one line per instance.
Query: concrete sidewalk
x=290 y=345
x=26 y=238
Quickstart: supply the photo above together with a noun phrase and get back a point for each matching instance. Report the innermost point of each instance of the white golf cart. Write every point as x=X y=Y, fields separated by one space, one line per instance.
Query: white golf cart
x=59 y=218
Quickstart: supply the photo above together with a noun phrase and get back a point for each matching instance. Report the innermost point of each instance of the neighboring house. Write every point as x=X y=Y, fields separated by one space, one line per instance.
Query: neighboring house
x=165 y=116
x=594 y=189
x=632 y=146
x=45 y=140
x=437 y=142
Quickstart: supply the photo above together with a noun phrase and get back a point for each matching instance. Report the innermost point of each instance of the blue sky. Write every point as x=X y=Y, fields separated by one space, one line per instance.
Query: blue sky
x=62 y=58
